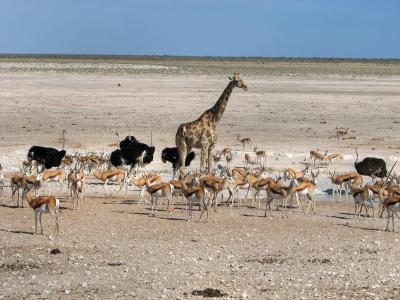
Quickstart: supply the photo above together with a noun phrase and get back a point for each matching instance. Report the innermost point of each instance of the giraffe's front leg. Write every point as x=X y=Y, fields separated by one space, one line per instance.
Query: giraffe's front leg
x=210 y=158
x=182 y=149
x=203 y=158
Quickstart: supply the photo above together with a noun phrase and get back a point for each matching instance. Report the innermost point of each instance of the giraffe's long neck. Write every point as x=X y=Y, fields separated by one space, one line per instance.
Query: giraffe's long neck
x=218 y=109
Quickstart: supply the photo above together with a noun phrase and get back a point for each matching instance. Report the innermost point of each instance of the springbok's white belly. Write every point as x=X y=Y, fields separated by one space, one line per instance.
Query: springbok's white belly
x=243 y=187
x=303 y=192
x=52 y=179
x=112 y=178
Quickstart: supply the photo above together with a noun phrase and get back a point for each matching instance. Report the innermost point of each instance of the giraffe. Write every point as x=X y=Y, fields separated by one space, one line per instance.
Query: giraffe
x=202 y=133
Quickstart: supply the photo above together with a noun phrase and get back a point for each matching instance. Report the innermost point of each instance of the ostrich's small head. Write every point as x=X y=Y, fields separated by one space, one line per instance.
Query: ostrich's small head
x=238 y=81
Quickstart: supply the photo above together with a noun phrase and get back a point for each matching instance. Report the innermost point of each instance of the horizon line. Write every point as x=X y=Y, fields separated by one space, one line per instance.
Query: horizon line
x=308 y=58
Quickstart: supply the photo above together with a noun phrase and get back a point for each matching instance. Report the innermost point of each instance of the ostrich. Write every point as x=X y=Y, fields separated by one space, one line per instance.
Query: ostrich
x=132 y=153
x=48 y=157
x=172 y=155
x=371 y=166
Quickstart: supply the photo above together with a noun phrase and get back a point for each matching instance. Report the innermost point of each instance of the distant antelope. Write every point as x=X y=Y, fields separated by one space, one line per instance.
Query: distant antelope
x=315 y=155
x=249 y=160
x=244 y=141
x=341 y=132
x=228 y=158
x=88 y=162
x=261 y=155
x=226 y=151
x=332 y=157
x=217 y=157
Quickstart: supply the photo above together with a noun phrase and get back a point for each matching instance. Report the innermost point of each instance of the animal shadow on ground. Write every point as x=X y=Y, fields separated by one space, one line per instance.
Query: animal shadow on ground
x=132 y=213
x=147 y=214
x=17 y=231
x=351 y=215
x=359 y=227
x=8 y=205
x=252 y=216
x=124 y=202
x=209 y=293
x=171 y=218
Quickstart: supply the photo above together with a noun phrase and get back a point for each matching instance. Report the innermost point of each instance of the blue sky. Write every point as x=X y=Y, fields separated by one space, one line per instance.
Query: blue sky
x=291 y=28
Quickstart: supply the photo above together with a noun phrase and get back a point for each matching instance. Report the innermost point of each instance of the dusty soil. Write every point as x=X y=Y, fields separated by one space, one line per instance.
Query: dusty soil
x=111 y=248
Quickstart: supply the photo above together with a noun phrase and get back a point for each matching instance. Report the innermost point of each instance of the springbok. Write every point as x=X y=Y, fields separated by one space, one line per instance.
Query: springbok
x=158 y=190
x=78 y=182
x=193 y=194
x=53 y=175
x=43 y=204
x=307 y=188
x=140 y=182
x=118 y=176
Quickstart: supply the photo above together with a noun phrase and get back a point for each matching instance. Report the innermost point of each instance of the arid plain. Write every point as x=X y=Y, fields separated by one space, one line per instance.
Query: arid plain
x=111 y=248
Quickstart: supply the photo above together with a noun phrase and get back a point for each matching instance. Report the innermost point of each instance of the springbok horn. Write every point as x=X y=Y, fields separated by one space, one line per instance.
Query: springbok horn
x=387 y=178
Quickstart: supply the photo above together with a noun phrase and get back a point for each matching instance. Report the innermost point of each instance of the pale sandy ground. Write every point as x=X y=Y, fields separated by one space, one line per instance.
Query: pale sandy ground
x=111 y=248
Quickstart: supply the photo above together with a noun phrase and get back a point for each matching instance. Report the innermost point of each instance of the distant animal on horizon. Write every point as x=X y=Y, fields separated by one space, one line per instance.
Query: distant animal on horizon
x=244 y=140
x=172 y=155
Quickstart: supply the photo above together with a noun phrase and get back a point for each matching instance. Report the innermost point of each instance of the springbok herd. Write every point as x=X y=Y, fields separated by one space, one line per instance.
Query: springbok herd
x=205 y=186
x=222 y=185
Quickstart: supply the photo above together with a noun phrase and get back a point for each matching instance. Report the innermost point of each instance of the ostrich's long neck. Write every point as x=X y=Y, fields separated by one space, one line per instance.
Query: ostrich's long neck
x=218 y=109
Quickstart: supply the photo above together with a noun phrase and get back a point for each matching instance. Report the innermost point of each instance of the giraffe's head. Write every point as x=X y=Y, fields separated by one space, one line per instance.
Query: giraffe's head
x=238 y=81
